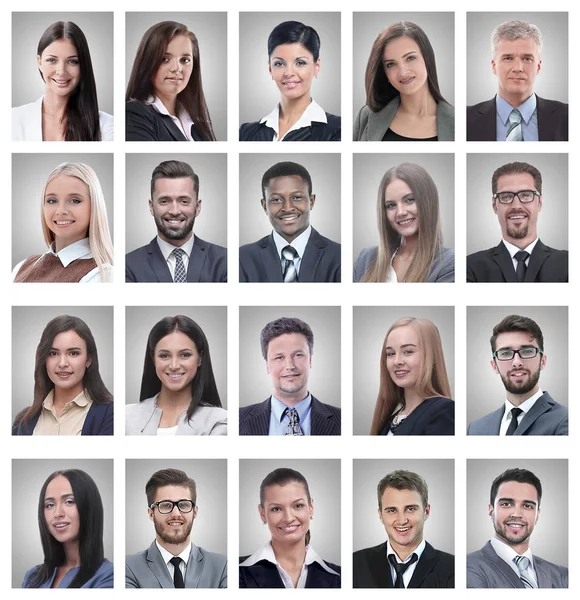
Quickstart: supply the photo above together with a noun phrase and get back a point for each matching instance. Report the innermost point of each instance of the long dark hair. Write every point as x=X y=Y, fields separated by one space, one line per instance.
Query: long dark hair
x=204 y=390
x=82 y=110
x=91 y=551
x=148 y=59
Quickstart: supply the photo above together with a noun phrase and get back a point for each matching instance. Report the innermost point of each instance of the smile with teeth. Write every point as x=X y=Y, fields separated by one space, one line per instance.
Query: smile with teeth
x=61 y=82
x=289 y=217
x=407 y=80
x=402 y=529
x=175 y=376
x=61 y=526
x=518 y=217
x=63 y=223
x=401 y=373
x=175 y=523
x=64 y=373
x=406 y=222
x=290 y=84
x=289 y=528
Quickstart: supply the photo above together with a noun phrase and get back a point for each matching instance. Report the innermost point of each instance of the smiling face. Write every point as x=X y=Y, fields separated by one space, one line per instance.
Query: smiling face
x=404 y=65
x=288 y=363
x=174 y=72
x=60 y=67
x=61 y=512
x=176 y=361
x=174 y=527
x=401 y=209
x=293 y=67
x=404 y=360
x=67 y=362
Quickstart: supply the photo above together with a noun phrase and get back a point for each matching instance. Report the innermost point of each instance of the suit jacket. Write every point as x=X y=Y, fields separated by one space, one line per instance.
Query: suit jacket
x=434 y=416
x=552 y=121
x=255 y=419
x=371 y=569
x=207 y=263
x=316 y=132
x=259 y=261
x=148 y=570
x=144 y=123
x=546 y=417
x=485 y=569
x=103 y=577
x=264 y=574
x=495 y=265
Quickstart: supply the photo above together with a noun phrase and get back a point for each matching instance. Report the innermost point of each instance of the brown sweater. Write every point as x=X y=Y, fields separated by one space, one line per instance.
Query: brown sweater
x=49 y=269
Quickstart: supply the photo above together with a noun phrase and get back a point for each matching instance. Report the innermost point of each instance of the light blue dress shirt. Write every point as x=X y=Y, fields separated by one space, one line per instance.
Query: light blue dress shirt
x=279 y=421
x=529 y=118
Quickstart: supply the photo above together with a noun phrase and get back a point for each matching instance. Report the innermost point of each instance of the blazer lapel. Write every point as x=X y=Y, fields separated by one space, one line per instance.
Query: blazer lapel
x=502 y=258
x=502 y=566
x=545 y=125
x=158 y=568
x=426 y=564
x=158 y=263
x=270 y=260
x=379 y=121
x=541 y=406
x=407 y=426
x=496 y=418
x=260 y=420
x=380 y=568
x=544 y=576
x=172 y=129
x=196 y=261
x=194 y=568
x=486 y=122
x=539 y=254
x=321 y=418
x=312 y=255
x=265 y=575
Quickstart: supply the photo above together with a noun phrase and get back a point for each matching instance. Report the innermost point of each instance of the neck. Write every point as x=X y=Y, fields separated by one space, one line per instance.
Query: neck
x=403 y=552
x=170 y=103
x=408 y=245
x=291 y=399
x=514 y=100
x=420 y=104
x=518 y=548
x=517 y=399
x=64 y=395
x=294 y=553
x=174 y=402
x=522 y=243
x=412 y=400
x=291 y=109
x=54 y=105
x=72 y=554
x=174 y=549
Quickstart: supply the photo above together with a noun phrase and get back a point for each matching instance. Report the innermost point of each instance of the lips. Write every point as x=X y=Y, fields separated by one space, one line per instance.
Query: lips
x=290 y=84
x=64 y=374
x=406 y=222
x=289 y=528
x=61 y=82
x=288 y=218
x=517 y=217
x=175 y=523
x=401 y=373
x=61 y=526
x=63 y=223
x=407 y=80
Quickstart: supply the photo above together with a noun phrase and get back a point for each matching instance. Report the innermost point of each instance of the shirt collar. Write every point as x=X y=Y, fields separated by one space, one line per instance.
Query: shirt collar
x=313 y=113
x=182 y=114
x=80 y=249
x=507 y=553
x=524 y=406
x=167 y=248
x=299 y=243
x=278 y=407
x=167 y=556
x=418 y=551
x=526 y=109
x=80 y=400
x=513 y=250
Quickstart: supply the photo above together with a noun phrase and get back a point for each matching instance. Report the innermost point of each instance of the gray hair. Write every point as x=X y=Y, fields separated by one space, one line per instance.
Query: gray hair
x=515 y=30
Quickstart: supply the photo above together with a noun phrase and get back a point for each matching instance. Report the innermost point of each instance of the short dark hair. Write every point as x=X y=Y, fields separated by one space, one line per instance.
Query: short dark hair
x=169 y=477
x=294 y=32
x=519 y=475
x=282 y=326
x=403 y=480
x=286 y=169
x=174 y=169
x=517 y=323
x=513 y=169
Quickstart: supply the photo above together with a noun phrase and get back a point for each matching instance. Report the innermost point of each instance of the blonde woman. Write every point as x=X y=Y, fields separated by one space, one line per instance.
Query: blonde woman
x=75 y=228
x=414 y=394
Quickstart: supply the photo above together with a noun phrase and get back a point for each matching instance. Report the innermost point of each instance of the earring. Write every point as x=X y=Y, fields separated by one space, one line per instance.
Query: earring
x=311 y=517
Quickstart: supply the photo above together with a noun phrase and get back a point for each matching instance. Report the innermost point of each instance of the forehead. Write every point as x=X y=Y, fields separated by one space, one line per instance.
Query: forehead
x=514 y=182
x=178 y=187
x=286 y=185
x=62 y=47
x=281 y=494
x=514 y=340
x=68 y=339
x=397 y=189
x=173 y=492
x=517 y=491
x=59 y=486
x=394 y=497
x=179 y=45
x=403 y=335
x=175 y=340
x=287 y=343
x=66 y=184
x=399 y=47
x=291 y=52
x=518 y=47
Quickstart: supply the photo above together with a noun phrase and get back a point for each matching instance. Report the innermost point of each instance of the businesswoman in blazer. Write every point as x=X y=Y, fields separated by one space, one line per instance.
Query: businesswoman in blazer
x=288 y=560
x=70 y=397
x=70 y=518
x=402 y=91
x=293 y=63
x=68 y=111
x=179 y=394
x=165 y=101
x=414 y=394
x=410 y=242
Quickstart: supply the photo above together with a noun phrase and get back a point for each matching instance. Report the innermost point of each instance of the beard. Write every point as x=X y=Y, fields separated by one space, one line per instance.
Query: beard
x=175 y=232
x=521 y=388
x=517 y=232
x=512 y=539
x=172 y=537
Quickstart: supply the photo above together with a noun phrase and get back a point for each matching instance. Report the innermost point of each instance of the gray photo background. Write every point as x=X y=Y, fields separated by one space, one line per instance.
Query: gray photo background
x=483 y=228
x=258 y=93
x=485 y=390
x=323 y=477
x=550 y=537
x=439 y=28
x=28 y=477
x=210 y=526
x=552 y=80
x=29 y=175
x=368 y=170
x=27 y=29
x=210 y=225
x=371 y=324
x=439 y=475
x=210 y=29
x=28 y=323
x=139 y=320
x=324 y=171
x=324 y=381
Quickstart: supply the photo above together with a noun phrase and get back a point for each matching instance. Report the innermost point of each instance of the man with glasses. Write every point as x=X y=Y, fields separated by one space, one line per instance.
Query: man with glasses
x=520 y=256
x=172 y=560
x=517 y=347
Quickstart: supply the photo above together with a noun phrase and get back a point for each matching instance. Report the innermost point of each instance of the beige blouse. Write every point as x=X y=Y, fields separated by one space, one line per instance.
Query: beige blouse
x=71 y=420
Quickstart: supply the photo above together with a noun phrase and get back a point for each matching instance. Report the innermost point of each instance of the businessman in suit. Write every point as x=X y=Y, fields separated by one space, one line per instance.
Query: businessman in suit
x=520 y=256
x=294 y=251
x=287 y=345
x=517 y=347
x=516 y=113
x=176 y=255
x=405 y=560
x=506 y=561
x=172 y=560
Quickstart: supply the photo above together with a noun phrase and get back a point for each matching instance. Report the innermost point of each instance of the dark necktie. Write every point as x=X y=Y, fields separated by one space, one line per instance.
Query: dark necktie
x=293 y=422
x=521 y=269
x=400 y=568
x=180 y=276
x=514 y=422
x=523 y=563
x=177 y=576
x=288 y=266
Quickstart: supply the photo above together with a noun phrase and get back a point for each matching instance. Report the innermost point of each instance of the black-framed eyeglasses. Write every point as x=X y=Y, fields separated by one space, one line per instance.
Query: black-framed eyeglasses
x=524 y=196
x=524 y=353
x=166 y=506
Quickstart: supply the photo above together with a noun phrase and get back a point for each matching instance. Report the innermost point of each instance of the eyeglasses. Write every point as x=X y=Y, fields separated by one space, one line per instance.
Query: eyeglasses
x=524 y=196
x=166 y=506
x=524 y=353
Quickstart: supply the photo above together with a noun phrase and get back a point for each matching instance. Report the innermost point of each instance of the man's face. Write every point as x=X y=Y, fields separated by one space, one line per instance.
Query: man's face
x=288 y=363
x=288 y=204
x=174 y=527
x=174 y=207
x=516 y=64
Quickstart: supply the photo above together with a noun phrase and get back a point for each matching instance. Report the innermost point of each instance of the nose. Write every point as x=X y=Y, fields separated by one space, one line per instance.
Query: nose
x=59 y=510
x=289 y=363
x=63 y=360
x=399 y=359
x=174 y=363
x=516 y=361
x=175 y=511
x=174 y=65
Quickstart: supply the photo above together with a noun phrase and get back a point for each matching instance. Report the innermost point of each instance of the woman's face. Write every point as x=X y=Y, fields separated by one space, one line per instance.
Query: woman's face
x=287 y=512
x=176 y=361
x=404 y=361
x=401 y=208
x=175 y=69
x=60 y=511
x=404 y=65
x=67 y=361
x=60 y=67
x=293 y=67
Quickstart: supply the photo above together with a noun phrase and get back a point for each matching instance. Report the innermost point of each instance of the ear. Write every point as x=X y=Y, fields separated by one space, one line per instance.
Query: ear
x=311 y=507
x=380 y=515
x=539 y=66
x=150 y=513
x=494 y=366
x=316 y=68
x=494 y=205
x=427 y=511
x=490 y=511
x=198 y=207
x=270 y=69
x=543 y=362
x=312 y=201
x=195 y=511
x=537 y=515
x=493 y=66
x=38 y=61
x=151 y=206
x=89 y=363
x=262 y=513
x=263 y=203
x=540 y=203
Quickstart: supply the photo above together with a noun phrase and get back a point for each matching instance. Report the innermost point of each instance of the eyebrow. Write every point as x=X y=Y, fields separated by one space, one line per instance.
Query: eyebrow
x=56 y=56
x=169 y=54
x=293 y=501
x=280 y=58
x=404 y=55
x=520 y=348
x=67 y=349
x=403 y=346
x=409 y=195
x=63 y=496
x=512 y=500
x=167 y=350
x=526 y=54
x=406 y=506
x=165 y=196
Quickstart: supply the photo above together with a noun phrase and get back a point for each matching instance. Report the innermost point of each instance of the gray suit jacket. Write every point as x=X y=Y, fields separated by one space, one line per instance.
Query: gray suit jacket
x=204 y=569
x=371 y=126
x=485 y=569
x=546 y=417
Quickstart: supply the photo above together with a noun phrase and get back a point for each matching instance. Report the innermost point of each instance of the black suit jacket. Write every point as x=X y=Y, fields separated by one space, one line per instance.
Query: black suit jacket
x=207 y=263
x=495 y=265
x=552 y=121
x=264 y=574
x=434 y=416
x=144 y=123
x=255 y=419
x=259 y=262
x=371 y=569
x=316 y=132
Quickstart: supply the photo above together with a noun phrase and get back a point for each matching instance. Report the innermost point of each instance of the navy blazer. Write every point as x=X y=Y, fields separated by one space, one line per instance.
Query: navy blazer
x=99 y=421
x=144 y=123
x=264 y=574
x=207 y=263
x=434 y=416
x=260 y=262
x=316 y=132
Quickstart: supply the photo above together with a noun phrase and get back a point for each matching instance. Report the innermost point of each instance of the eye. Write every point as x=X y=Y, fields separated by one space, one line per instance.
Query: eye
x=390 y=205
x=163 y=202
x=163 y=355
x=412 y=57
x=390 y=354
x=390 y=510
x=410 y=200
x=275 y=200
x=75 y=353
x=408 y=352
x=275 y=509
x=76 y=200
x=70 y=501
x=277 y=64
x=186 y=354
x=51 y=60
x=52 y=353
x=299 y=505
x=388 y=65
x=300 y=63
x=529 y=506
x=50 y=201
x=165 y=60
x=74 y=61
x=298 y=198
x=185 y=60
x=185 y=202
x=412 y=508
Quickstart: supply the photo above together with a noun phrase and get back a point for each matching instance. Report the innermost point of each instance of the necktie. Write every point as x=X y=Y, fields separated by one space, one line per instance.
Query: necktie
x=177 y=576
x=180 y=276
x=288 y=266
x=514 y=422
x=400 y=568
x=523 y=564
x=293 y=422
x=514 y=130
x=521 y=269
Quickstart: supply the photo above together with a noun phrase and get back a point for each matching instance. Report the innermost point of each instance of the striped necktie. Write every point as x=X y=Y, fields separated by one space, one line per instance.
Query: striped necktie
x=293 y=422
x=514 y=131
x=523 y=565
x=180 y=276
x=289 y=268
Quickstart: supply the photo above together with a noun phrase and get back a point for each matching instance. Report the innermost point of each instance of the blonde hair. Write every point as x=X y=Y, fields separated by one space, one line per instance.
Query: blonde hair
x=429 y=239
x=432 y=382
x=99 y=235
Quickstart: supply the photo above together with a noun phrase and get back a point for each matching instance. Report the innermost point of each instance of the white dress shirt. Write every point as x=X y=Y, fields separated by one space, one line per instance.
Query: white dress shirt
x=313 y=112
x=167 y=556
x=408 y=574
x=525 y=406
x=183 y=120
x=299 y=244
x=507 y=554
x=167 y=251
x=513 y=250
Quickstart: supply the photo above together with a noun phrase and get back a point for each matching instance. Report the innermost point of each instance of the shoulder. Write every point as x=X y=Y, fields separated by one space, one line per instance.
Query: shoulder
x=18 y=428
x=480 y=107
x=553 y=105
x=444 y=557
x=135 y=107
x=366 y=553
x=134 y=560
x=246 y=411
x=318 y=238
x=253 y=246
x=213 y=557
x=209 y=420
x=476 y=557
x=137 y=254
x=28 y=575
x=136 y=409
x=443 y=267
x=24 y=110
x=210 y=248
x=364 y=260
x=446 y=109
x=247 y=130
x=106 y=122
x=439 y=405
x=322 y=406
x=562 y=571
x=445 y=122
x=480 y=255
x=103 y=578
